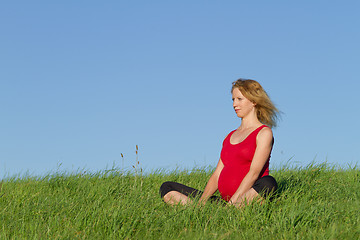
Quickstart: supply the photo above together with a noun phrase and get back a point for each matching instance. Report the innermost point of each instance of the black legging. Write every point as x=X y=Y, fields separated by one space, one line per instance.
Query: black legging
x=187 y=191
x=265 y=186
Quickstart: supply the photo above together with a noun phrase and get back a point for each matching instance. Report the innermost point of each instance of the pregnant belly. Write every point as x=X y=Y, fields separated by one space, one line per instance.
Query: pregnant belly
x=229 y=182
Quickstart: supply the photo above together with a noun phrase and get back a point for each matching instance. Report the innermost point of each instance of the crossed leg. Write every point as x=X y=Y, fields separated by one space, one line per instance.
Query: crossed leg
x=174 y=198
x=176 y=193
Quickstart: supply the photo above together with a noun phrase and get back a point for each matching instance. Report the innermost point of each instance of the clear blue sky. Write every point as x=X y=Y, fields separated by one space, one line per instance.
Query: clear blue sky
x=83 y=81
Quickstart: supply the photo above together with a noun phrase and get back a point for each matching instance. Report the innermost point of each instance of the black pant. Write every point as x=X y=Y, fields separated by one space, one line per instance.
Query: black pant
x=265 y=186
x=187 y=191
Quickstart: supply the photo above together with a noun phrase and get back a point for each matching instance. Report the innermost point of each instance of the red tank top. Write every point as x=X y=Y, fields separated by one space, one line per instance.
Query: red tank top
x=237 y=159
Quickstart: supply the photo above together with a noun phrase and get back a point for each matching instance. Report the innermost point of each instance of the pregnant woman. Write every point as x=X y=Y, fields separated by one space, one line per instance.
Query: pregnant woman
x=242 y=173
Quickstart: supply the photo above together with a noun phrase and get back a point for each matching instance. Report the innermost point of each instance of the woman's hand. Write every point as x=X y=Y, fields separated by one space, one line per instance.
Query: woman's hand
x=237 y=204
x=202 y=202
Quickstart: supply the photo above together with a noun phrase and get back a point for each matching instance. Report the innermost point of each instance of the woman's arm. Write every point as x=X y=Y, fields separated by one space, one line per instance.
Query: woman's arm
x=212 y=184
x=263 y=149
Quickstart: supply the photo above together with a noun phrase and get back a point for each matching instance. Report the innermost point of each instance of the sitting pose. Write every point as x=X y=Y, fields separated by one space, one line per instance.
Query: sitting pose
x=242 y=173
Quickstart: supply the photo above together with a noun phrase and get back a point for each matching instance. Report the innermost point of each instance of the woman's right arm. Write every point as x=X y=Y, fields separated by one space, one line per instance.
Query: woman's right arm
x=212 y=184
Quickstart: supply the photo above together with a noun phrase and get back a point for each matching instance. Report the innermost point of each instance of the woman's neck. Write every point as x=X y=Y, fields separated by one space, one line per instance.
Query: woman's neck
x=249 y=121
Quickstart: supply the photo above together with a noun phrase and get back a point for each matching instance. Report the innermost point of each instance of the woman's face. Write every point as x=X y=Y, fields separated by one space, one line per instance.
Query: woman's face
x=241 y=104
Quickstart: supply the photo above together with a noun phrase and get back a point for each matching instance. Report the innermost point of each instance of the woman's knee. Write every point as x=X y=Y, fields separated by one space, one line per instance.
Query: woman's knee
x=174 y=197
x=169 y=196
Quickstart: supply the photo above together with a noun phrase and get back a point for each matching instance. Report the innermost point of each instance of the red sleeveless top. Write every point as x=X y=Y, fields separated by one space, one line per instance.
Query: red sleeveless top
x=237 y=159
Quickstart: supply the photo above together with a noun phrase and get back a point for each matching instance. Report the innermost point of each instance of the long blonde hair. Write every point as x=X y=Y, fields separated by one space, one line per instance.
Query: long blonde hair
x=266 y=111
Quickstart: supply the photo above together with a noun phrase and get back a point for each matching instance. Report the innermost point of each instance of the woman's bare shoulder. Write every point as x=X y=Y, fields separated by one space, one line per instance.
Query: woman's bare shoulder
x=265 y=134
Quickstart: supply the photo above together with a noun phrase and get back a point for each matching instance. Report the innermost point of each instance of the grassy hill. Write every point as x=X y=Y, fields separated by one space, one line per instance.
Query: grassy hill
x=314 y=202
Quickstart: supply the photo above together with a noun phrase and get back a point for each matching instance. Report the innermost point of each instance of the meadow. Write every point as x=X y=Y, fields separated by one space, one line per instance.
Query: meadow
x=313 y=202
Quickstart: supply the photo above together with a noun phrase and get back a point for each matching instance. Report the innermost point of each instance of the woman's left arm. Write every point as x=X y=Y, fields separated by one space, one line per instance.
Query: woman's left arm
x=263 y=149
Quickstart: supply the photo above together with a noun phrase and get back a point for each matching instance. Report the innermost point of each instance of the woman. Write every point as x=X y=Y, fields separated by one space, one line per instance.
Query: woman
x=242 y=173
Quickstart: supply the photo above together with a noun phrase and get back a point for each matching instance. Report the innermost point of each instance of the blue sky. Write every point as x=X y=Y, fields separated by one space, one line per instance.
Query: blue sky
x=83 y=81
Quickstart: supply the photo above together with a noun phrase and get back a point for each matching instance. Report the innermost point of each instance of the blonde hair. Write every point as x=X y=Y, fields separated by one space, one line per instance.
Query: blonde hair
x=266 y=111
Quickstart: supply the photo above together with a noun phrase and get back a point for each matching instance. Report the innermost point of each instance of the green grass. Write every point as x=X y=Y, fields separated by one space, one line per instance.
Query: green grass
x=314 y=202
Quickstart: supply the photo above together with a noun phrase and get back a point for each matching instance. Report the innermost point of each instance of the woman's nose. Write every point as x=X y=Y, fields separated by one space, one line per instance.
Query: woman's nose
x=234 y=103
